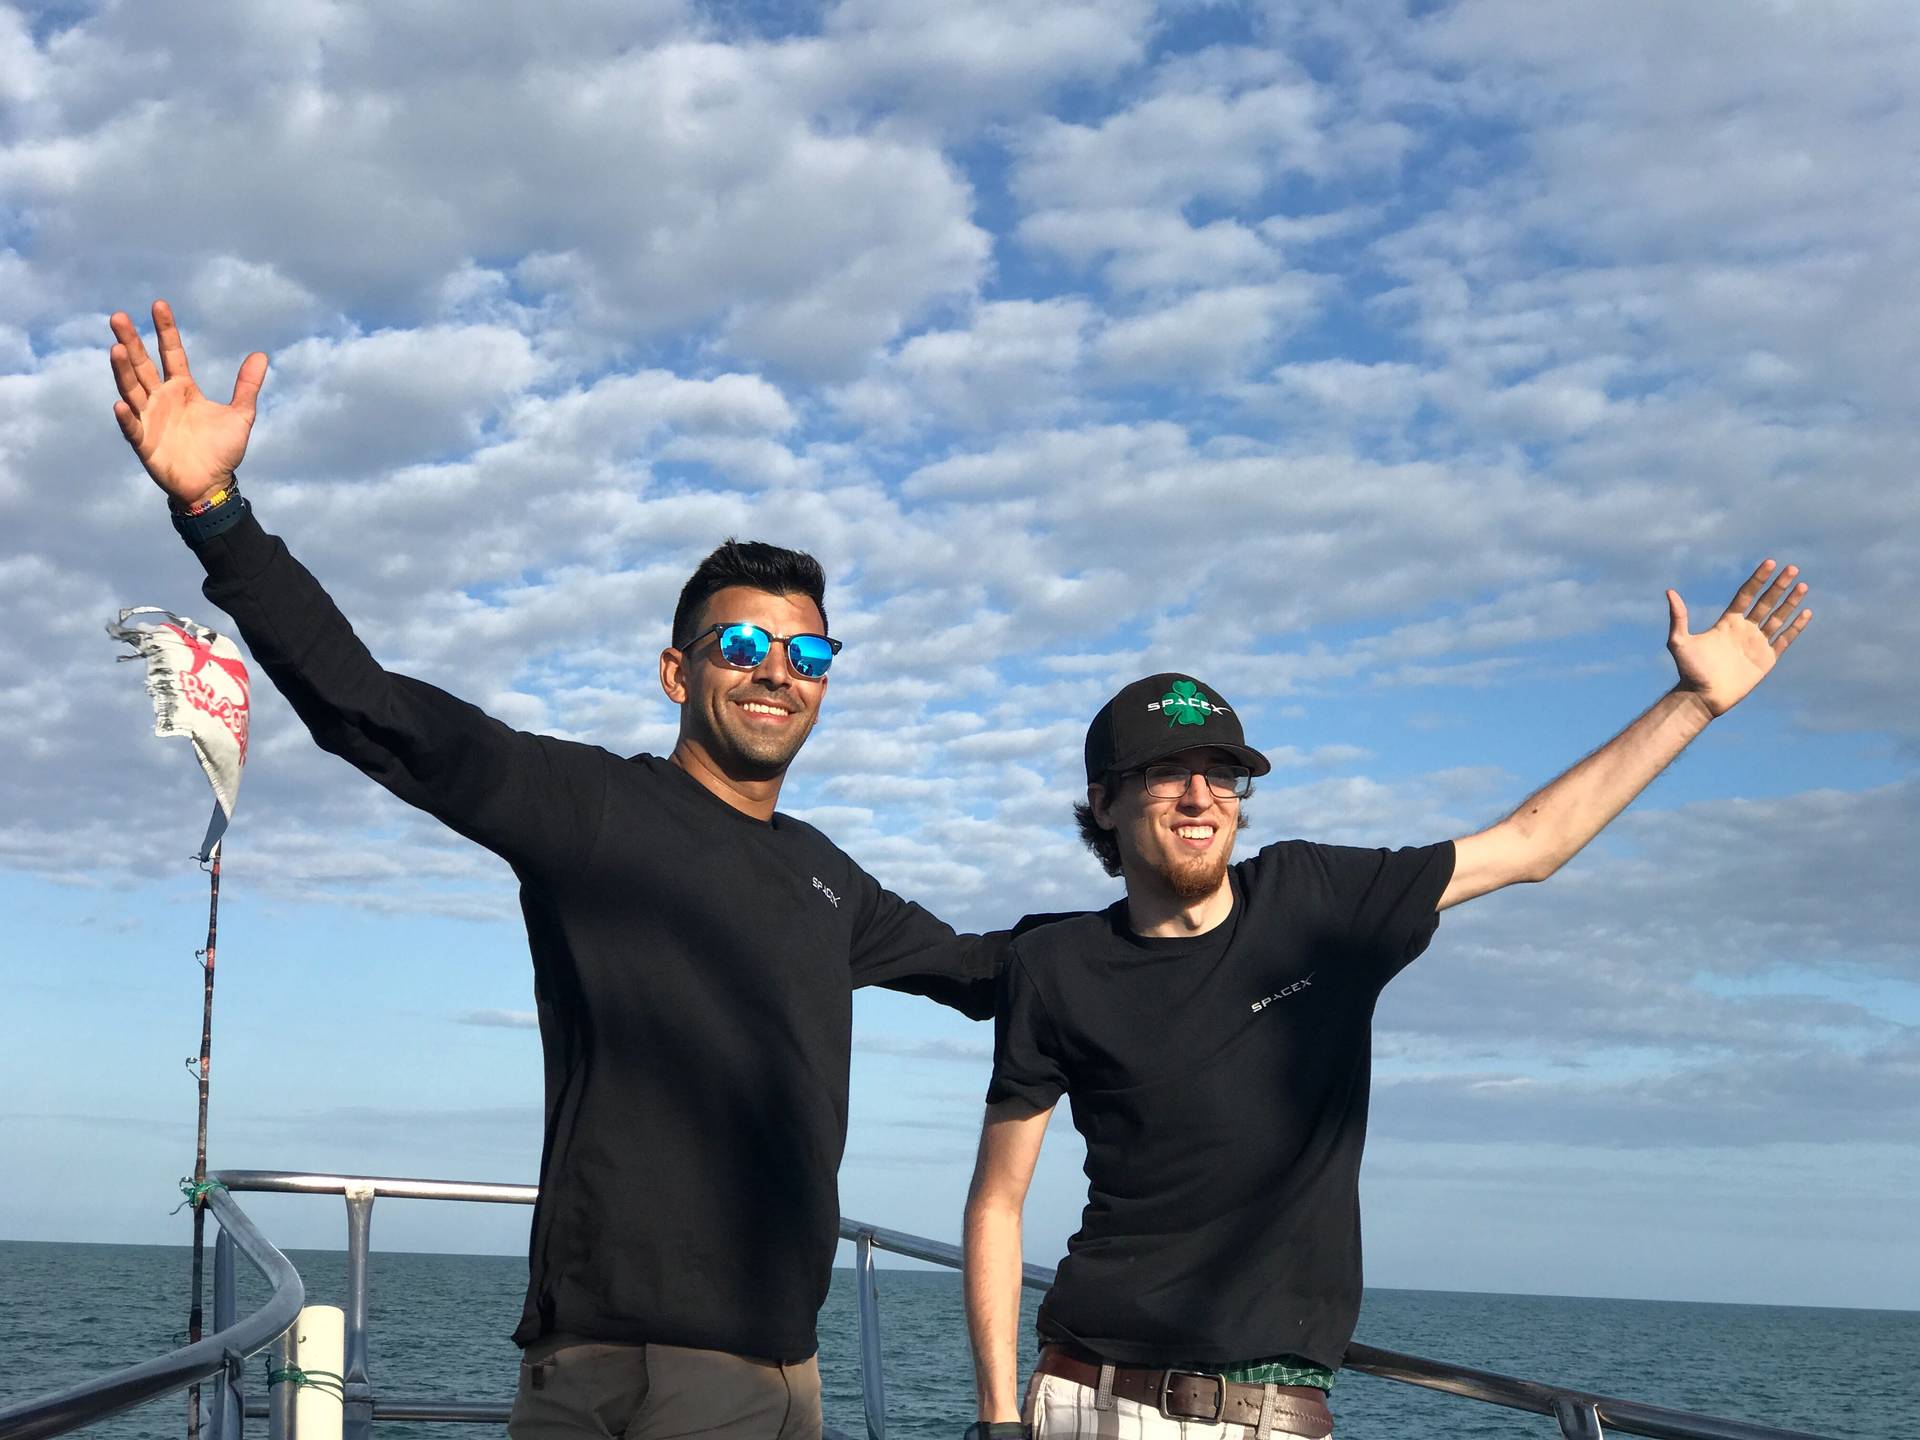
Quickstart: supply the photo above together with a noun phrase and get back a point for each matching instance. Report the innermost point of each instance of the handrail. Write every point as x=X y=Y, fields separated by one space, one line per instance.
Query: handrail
x=1630 y=1417
x=300 y=1182
x=939 y=1252
x=1578 y=1413
x=359 y=1405
x=1575 y=1410
x=95 y=1400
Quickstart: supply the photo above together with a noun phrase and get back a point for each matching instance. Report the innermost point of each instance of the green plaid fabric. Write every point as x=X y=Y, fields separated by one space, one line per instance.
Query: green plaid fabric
x=1280 y=1370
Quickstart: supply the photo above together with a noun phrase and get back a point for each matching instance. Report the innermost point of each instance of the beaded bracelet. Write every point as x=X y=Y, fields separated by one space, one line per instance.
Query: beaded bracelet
x=211 y=517
x=209 y=502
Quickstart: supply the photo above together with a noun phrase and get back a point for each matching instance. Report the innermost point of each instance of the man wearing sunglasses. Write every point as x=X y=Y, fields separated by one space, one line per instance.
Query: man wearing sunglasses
x=1212 y=1032
x=694 y=951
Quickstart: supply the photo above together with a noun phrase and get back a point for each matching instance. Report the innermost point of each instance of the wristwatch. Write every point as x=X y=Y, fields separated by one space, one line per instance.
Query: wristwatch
x=996 y=1430
x=204 y=524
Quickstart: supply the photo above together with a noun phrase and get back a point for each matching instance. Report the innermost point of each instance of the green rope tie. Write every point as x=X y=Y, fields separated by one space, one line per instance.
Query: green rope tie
x=327 y=1382
x=195 y=1193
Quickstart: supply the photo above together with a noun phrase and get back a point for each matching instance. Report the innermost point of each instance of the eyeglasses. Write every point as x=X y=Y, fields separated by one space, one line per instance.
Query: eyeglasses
x=1227 y=782
x=745 y=647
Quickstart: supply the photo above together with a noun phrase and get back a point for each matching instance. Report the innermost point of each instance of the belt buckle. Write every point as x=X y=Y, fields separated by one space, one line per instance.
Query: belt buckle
x=1219 y=1395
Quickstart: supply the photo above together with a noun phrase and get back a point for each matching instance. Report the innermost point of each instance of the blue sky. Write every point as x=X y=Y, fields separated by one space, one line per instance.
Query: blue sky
x=1380 y=363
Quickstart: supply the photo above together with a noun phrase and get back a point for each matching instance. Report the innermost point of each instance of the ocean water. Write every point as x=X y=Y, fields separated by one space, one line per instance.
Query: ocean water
x=440 y=1322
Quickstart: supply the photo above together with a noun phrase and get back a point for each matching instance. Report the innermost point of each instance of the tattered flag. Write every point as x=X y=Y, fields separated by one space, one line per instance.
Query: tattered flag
x=200 y=690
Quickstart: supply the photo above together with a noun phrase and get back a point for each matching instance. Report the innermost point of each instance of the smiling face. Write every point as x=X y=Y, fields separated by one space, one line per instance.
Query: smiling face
x=1179 y=846
x=746 y=724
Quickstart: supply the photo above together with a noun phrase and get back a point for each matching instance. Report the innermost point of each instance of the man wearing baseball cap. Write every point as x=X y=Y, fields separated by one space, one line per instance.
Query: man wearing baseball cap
x=1212 y=1031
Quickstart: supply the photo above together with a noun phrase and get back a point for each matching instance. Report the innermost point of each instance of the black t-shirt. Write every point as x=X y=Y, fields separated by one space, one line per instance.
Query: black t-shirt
x=693 y=970
x=1221 y=1086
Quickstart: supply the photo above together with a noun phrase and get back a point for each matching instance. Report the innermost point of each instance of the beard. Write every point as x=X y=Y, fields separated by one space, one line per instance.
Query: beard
x=1196 y=877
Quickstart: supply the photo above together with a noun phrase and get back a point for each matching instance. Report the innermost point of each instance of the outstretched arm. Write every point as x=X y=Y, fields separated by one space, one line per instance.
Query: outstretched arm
x=525 y=797
x=1717 y=669
x=1009 y=1147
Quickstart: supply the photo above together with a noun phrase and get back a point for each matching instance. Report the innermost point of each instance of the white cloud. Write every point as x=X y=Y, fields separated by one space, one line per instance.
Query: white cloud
x=369 y=404
x=616 y=416
x=21 y=65
x=249 y=305
x=1209 y=337
x=654 y=182
x=977 y=1053
x=1026 y=464
x=501 y=1019
x=1151 y=250
x=1396 y=390
x=972 y=59
x=1812 y=1096
x=1015 y=359
x=16 y=350
x=1382 y=392
x=1225 y=141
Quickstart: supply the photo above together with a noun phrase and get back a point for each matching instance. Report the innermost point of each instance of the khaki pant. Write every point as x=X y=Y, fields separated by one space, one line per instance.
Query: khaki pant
x=571 y=1390
x=1061 y=1409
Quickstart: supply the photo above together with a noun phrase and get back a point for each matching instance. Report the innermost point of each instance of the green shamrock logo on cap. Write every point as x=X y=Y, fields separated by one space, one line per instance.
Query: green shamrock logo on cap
x=1185 y=705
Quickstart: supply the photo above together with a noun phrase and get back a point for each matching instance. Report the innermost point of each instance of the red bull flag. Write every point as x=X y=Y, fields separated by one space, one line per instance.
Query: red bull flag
x=200 y=690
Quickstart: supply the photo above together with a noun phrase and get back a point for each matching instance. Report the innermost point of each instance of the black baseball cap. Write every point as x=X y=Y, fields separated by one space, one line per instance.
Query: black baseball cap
x=1161 y=716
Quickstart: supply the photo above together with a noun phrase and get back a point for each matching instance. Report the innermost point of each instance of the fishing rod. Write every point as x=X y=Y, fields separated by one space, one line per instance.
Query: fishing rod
x=200 y=690
x=198 y=1193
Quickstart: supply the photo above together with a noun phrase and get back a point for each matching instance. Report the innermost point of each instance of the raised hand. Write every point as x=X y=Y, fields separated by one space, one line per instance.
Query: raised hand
x=1722 y=664
x=190 y=445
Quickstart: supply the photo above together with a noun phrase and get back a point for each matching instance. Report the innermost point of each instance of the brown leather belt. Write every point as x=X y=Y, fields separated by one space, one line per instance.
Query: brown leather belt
x=1187 y=1395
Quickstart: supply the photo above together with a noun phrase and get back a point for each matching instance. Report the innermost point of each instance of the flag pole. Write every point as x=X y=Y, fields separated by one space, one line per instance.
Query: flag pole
x=194 y=1315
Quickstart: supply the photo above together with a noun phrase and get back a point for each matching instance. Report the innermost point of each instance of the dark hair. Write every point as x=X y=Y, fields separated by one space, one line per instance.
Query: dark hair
x=1097 y=838
x=1102 y=841
x=757 y=566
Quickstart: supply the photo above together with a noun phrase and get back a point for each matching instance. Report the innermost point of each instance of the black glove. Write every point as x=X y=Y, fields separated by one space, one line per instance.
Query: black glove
x=996 y=1430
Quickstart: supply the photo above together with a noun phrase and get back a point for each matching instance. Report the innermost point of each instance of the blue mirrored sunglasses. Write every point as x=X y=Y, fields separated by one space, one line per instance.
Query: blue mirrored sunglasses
x=744 y=647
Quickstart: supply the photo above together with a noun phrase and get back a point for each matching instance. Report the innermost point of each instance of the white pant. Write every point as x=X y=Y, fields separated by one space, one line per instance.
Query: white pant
x=1062 y=1409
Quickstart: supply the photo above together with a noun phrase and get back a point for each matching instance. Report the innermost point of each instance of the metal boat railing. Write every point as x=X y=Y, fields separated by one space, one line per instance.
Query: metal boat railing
x=1578 y=1414
x=1581 y=1416
x=219 y=1354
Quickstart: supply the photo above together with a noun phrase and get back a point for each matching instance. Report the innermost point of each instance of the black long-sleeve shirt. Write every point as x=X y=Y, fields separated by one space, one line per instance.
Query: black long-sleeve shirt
x=693 y=971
